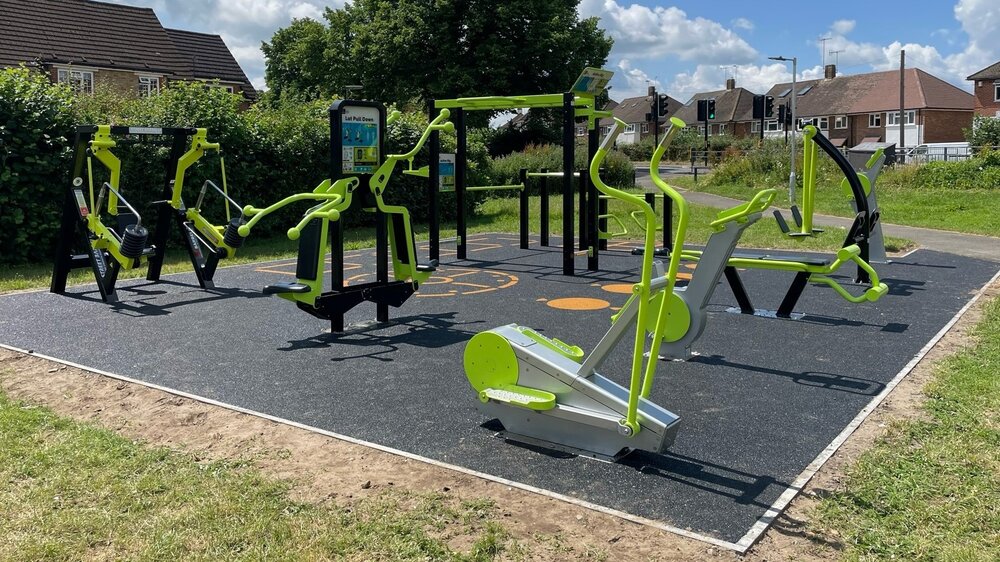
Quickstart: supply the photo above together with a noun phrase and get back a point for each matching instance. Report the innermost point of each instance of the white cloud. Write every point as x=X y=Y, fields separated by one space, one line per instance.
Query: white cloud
x=743 y=23
x=707 y=78
x=641 y=32
x=632 y=82
x=843 y=27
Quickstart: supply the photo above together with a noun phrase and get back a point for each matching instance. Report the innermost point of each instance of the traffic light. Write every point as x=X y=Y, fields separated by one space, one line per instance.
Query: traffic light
x=768 y=106
x=702 y=110
x=758 y=107
x=788 y=115
x=782 y=117
x=663 y=104
x=711 y=109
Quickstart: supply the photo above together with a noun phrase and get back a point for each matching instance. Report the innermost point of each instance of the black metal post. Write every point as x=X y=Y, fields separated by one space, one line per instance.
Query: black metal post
x=582 y=213
x=433 y=197
x=524 y=209
x=460 y=165
x=668 y=223
x=544 y=203
x=569 y=141
x=166 y=214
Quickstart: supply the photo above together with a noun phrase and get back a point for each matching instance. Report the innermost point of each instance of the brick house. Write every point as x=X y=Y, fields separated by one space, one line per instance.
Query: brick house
x=92 y=44
x=986 y=90
x=636 y=112
x=865 y=107
x=733 y=111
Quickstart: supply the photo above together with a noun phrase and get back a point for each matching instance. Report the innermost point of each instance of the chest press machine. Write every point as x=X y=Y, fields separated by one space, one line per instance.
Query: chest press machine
x=356 y=155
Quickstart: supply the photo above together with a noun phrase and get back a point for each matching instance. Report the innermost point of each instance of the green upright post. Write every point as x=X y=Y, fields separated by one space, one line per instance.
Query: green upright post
x=460 y=164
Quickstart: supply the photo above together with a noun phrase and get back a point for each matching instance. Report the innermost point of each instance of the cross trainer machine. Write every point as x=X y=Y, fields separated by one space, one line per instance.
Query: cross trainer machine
x=548 y=392
x=806 y=268
x=356 y=156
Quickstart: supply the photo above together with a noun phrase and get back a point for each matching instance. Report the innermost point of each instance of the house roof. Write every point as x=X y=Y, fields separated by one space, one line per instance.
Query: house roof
x=206 y=56
x=873 y=92
x=991 y=72
x=730 y=105
x=110 y=36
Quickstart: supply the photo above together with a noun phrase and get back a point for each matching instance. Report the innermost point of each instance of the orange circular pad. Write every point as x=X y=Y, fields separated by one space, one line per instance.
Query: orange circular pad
x=620 y=288
x=578 y=303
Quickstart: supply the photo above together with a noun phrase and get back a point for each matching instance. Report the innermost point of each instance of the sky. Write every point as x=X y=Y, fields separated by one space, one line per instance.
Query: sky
x=688 y=46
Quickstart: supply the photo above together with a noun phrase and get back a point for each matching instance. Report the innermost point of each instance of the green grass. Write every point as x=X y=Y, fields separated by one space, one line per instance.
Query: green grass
x=72 y=491
x=930 y=489
x=494 y=215
x=973 y=211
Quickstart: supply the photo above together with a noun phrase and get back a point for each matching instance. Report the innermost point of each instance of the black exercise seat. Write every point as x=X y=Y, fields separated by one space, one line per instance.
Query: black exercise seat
x=287 y=287
x=808 y=260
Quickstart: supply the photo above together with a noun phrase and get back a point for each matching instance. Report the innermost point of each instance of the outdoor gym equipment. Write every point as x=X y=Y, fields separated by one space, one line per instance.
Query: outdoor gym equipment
x=206 y=242
x=546 y=391
x=356 y=152
x=688 y=306
x=806 y=268
x=578 y=103
x=867 y=174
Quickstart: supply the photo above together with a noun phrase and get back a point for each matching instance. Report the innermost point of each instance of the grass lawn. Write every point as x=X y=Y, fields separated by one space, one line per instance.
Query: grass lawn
x=973 y=211
x=72 y=491
x=930 y=489
x=495 y=215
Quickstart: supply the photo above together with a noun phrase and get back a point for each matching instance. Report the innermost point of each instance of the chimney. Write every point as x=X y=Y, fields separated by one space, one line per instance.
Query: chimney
x=730 y=83
x=651 y=91
x=830 y=71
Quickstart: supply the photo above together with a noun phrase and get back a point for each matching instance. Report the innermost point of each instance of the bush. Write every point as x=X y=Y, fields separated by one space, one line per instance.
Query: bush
x=980 y=172
x=36 y=118
x=619 y=171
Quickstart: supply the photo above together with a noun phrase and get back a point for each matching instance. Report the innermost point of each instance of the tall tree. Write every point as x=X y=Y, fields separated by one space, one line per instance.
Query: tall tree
x=411 y=50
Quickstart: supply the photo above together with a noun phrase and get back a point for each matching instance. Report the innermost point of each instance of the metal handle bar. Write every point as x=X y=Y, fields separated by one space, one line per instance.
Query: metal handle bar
x=204 y=188
x=100 y=201
x=349 y=185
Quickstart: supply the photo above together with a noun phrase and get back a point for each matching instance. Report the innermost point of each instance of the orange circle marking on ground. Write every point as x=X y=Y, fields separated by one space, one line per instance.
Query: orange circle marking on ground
x=578 y=303
x=620 y=288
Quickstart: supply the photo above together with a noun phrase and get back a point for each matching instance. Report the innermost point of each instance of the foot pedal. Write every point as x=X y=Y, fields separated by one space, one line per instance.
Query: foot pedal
x=279 y=288
x=521 y=396
x=781 y=221
x=428 y=267
x=797 y=215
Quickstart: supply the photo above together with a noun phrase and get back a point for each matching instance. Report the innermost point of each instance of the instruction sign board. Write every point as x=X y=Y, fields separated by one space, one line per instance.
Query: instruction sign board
x=446 y=172
x=359 y=139
x=592 y=81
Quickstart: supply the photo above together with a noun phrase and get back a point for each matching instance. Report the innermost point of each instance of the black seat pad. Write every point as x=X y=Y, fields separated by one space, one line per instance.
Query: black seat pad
x=808 y=260
x=286 y=288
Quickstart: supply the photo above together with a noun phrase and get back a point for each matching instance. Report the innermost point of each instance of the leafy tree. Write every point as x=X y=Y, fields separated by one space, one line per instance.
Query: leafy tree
x=404 y=51
x=985 y=132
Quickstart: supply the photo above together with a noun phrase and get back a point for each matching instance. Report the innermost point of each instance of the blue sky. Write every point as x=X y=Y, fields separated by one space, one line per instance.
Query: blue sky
x=687 y=46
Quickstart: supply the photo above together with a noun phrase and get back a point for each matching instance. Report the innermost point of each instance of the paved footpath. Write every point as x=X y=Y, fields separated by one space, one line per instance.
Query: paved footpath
x=971 y=245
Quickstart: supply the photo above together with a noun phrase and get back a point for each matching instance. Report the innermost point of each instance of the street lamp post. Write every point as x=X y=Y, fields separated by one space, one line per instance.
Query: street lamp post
x=791 y=175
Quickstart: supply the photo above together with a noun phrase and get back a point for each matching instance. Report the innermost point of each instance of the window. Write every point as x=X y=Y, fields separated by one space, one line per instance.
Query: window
x=785 y=93
x=148 y=85
x=892 y=118
x=874 y=120
x=722 y=128
x=772 y=125
x=645 y=127
x=701 y=129
x=840 y=122
x=755 y=126
x=580 y=131
x=824 y=123
x=805 y=90
x=630 y=128
x=79 y=80
x=996 y=91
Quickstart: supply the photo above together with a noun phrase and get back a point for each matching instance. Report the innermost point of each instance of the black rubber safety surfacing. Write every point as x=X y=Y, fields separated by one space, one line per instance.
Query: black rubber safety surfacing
x=761 y=401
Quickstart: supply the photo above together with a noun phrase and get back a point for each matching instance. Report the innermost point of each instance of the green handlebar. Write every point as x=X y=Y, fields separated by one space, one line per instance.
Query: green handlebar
x=381 y=176
x=761 y=201
x=333 y=192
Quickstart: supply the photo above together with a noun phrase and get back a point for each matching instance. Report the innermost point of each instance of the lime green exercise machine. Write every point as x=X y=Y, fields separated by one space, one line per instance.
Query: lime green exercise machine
x=548 y=392
x=85 y=240
x=807 y=268
x=357 y=157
